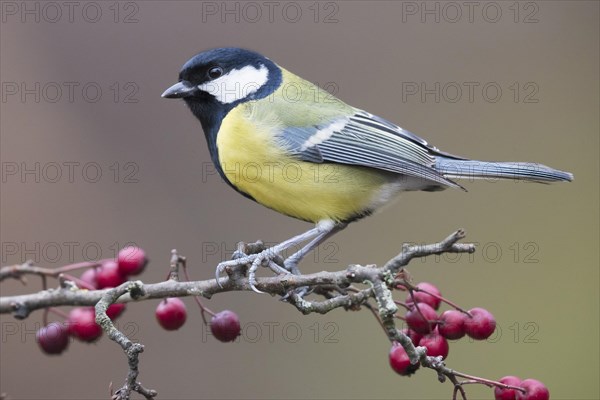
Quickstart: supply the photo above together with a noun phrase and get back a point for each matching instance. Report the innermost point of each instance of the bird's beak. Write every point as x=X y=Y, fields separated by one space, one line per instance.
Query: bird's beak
x=180 y=90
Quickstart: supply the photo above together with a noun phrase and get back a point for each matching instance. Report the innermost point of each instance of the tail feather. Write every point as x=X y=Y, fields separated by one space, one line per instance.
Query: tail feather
x=472 y=169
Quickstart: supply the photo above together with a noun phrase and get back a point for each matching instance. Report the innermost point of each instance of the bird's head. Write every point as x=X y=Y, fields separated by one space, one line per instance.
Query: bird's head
x=223 y=78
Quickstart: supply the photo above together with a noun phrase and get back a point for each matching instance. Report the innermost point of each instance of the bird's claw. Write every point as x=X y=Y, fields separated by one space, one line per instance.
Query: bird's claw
x=252 y=273
x=255 y=261
x=301 y=292
x=220 y=268
x=238 y=254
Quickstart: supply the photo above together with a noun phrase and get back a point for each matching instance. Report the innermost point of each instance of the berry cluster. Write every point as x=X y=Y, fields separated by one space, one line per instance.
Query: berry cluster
x=80 y=323
x=171 y=314
x=427 y=329
x=533 y=390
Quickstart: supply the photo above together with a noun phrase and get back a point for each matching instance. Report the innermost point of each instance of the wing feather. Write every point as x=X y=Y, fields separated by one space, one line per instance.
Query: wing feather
x=365 y=140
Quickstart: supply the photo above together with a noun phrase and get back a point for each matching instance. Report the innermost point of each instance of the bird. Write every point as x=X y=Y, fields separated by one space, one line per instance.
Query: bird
x=295 y=148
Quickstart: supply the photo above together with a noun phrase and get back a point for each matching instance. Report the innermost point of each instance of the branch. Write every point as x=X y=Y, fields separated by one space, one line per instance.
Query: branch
x=22 y=306
x=336 y=287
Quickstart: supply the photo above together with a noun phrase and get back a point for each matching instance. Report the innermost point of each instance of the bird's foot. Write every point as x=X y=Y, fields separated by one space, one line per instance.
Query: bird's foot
x=291 y=266
x=266 y=257
x=271 y=257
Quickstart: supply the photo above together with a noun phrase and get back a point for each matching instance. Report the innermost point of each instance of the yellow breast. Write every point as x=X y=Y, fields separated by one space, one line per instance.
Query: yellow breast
x=255 y=164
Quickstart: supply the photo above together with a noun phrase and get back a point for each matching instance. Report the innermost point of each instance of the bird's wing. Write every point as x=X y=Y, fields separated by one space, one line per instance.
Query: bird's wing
x=365 y=140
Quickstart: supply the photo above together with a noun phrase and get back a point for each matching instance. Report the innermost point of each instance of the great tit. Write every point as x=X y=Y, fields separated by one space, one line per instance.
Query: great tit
x=293 y=147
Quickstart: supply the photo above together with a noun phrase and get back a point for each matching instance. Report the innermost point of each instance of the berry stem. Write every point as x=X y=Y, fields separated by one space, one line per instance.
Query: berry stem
x=81 y=265
x=412 y=288
x=400 y=303
x=488 y=382
x=203 y=309
x=458 y=389
x=375 y=314
x=410 y=291
x=79 y=282
x=45 y=316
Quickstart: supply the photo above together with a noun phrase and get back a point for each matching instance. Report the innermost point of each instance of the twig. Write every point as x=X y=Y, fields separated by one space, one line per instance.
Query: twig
x=448 y=245
x=323 y=307
x=29 y=268
x=132 y=350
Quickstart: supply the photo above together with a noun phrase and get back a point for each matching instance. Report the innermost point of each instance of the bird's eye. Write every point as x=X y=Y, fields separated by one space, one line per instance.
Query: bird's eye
x=215 y=72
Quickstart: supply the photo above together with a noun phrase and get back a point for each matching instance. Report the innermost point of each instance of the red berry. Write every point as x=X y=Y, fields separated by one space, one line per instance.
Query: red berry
x=171 y=313
x=414 y=336
x=225 y=326
x=481 y=325
x=82 y=324
x=415 y=320
x=53 y=338
x=534 y=390
x=115 y=310
x=89 y=277
x=436 y=345
x=421 y=297
x=108 y=275
x=507 y=394
x=132 y=260
x=400 y=362
x=452 y=324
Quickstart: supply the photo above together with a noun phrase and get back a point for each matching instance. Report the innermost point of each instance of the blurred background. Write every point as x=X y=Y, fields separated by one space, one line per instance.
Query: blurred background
x=93 y=158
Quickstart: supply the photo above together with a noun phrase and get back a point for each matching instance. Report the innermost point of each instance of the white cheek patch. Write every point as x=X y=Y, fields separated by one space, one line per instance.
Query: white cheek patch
x=237 y=84
x=323 y=134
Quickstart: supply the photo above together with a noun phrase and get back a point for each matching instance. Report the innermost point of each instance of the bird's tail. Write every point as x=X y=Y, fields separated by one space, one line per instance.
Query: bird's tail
x=471 y=169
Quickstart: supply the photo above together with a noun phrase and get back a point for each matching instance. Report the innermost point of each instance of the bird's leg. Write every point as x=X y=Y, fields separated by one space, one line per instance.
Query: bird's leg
x=320 y=232
x=291 y=263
